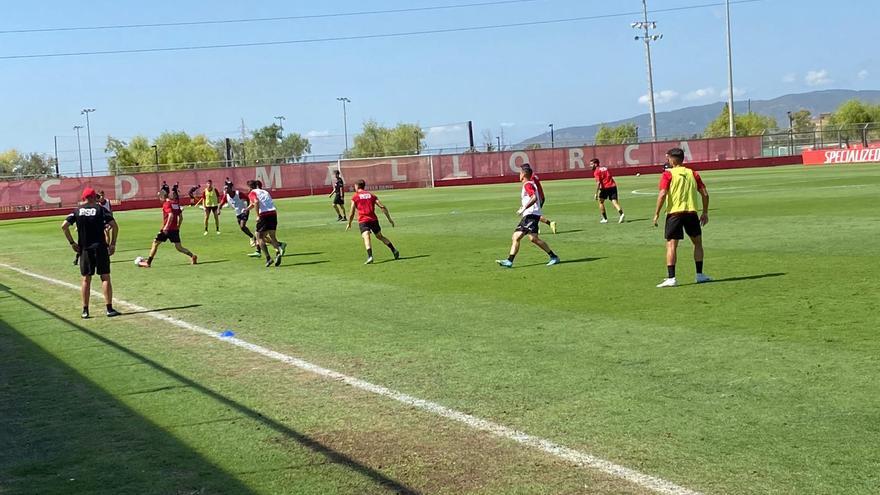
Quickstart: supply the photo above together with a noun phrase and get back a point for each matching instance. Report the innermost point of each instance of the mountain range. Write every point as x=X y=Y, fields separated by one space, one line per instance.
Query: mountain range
x=693 y=120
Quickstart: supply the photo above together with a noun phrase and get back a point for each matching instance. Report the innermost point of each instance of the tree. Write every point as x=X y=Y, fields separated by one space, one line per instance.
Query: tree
x=801 y=121
x=265 y=146
x=623 y=133
x=176 y=150
x=378 y=140
x=30 y=165
x=745 y=124
x=488 y=140
x=855 y=112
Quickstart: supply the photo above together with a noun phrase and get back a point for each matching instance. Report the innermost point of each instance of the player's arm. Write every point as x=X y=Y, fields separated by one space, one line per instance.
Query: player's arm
x=114 y=233
x=65 y=227
x=661 y=198
x=532 y=201
x=385 y=211
x=598 y=188
x=704 y=194
x=351 y=213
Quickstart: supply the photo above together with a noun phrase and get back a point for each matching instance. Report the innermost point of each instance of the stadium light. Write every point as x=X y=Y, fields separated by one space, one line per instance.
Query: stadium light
x=646 y=26
x=86 y=112
x=730 y=76
x=280 y=119
x=344 y=100
x=156 y=151
x=79 y=147
x=552 y=138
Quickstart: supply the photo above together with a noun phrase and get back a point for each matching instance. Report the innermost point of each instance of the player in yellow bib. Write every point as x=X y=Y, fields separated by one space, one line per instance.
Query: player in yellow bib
x=679 y=187
x=211 y=200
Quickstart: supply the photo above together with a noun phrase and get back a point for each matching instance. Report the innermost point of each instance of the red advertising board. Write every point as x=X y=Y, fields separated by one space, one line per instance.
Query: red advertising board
x=380 y=173
x=841 y=156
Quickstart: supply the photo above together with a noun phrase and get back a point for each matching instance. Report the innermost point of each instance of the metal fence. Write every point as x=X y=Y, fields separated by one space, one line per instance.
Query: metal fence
x=783 y=142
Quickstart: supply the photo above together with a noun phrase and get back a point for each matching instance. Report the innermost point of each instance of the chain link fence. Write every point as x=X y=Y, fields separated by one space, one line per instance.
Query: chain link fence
x=785 y=142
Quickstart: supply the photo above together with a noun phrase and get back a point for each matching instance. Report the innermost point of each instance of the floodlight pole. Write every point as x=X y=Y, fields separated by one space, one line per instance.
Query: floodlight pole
x=730 y=76
x=280 y=119
x=646 y=26
x=552 y=137
x=344 y=100
x=80 y=148
x=86 y=112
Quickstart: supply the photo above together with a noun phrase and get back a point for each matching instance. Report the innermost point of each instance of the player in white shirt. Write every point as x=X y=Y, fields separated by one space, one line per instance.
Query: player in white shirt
x=530 y=211
x=261 y=200
x=238 y=201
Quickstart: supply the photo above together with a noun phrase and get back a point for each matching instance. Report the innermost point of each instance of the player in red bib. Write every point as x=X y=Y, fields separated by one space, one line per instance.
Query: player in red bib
x=606 y=188
x=364 y=203
x=172 y=219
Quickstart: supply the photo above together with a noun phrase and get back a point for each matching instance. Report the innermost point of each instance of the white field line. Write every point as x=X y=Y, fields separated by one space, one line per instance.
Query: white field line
x=575 y=457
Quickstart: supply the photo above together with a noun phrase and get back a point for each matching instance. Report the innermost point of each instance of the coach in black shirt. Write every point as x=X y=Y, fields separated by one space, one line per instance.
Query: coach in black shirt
x=91 y=244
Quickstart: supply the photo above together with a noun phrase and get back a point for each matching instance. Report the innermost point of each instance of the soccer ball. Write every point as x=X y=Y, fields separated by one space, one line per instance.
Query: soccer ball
x=638 y=174
x=137 y=261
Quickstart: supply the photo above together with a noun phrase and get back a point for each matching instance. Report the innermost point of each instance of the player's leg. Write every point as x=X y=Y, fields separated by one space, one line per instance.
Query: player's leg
x=671 y=258
x=698 y=259
x=242 y=225
x=388 y=243
x=514 y=247
x=217 y=219
x=207 y=215
x=515 y=239
x=107 y=289
x=179 y=247
x=366 y=235
x=86 y=292
x=616 y=204
x=545 y=247
x=602 y=210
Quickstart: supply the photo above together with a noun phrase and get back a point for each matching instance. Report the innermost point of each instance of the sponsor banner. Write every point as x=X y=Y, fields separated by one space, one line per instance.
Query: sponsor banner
x=840 y=156
x=380 y=173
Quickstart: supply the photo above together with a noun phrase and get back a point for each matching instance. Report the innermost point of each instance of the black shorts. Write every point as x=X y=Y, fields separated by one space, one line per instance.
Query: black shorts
x=243 y=217
x=610 y=193
x=95 y=260
x=371 y=226
x=529 y=224
x=171 y=235
x=212 y=209
x=338 y=200
x=679 y=223
x=266 y=223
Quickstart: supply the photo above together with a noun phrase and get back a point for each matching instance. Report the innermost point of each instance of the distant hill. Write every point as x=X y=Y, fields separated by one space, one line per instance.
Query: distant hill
x=693 y=120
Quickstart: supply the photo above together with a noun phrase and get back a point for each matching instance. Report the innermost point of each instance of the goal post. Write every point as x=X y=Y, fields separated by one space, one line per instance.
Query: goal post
x=397 y=172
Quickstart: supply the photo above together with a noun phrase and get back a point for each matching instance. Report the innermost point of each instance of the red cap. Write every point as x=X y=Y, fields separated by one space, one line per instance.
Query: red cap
x=87 y=192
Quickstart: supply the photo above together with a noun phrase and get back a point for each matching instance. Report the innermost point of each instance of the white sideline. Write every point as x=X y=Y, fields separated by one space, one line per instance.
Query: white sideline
x=573 y=456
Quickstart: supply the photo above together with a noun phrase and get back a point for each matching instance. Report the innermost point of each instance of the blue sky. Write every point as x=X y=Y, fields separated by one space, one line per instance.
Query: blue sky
x=517 y=79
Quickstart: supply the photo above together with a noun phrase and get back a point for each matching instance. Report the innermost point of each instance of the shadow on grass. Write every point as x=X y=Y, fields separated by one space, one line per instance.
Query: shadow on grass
x=304 y=263
x=415 y=257
x=159 y=310
x=58 y=398
x=563 y=261
x=303 y=254
x=747 y=277
x=572 y=231
x=634 y=220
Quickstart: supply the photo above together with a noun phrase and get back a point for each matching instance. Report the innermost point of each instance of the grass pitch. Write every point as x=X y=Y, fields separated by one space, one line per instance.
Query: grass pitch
x=764 y=381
